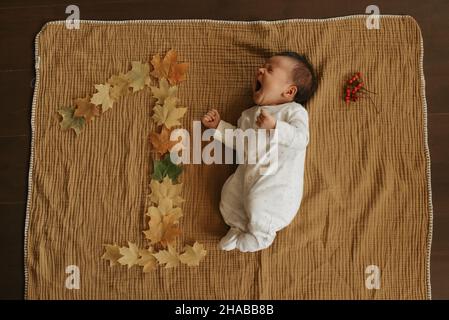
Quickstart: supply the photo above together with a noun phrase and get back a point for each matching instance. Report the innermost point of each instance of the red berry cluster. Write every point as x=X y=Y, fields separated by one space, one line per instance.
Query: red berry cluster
x=354 y=90
x=353 y=86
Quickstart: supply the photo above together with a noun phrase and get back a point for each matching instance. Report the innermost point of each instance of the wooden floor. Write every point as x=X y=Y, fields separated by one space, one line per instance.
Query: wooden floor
x=20 y=20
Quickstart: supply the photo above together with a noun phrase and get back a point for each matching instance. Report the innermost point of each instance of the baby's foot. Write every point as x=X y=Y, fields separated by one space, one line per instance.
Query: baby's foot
x=248 y=242
x=229 y=241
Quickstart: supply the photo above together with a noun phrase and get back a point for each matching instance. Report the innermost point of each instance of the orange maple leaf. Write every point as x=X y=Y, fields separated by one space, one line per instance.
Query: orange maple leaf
x=161 y=141
x=84 y=108
x=170 y=233
x=169 y=68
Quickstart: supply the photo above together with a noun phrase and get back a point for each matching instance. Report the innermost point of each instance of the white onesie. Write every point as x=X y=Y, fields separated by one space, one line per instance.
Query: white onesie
x=254 y=205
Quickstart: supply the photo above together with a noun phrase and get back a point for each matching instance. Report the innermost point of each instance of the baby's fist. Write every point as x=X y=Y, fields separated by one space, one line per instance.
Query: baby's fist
x=211 y=119
x=265 y=120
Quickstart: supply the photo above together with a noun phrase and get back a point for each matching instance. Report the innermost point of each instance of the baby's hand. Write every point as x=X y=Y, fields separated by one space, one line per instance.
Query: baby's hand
x=211 y=119
x=265 y=120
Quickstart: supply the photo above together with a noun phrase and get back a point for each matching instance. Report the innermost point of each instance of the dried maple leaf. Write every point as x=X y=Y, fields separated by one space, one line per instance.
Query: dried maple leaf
x=166 y=189
x=193 y=255
x=130 y=255
x=170 y=233
x=102 y=97
x=178 y=73
x=166 y=209
x=83 y=108
x=163 y=224
x=138 y=76
x=165 y=167
x=164 y=91
x=119 y=85
x=168 y=114
x=112 y=254
x=154 y=233
x=69 y=121
x=168 y=257
x=147 y=260
x=161 y=141
x=161 y=66
x=169 y=68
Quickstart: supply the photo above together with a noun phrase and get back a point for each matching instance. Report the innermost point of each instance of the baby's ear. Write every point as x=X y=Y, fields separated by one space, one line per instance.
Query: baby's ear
x=292 y=90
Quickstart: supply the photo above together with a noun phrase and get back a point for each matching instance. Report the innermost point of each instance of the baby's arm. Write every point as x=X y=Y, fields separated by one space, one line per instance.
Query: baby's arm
x=212 y=120
x=220 y=134
x=295 y=131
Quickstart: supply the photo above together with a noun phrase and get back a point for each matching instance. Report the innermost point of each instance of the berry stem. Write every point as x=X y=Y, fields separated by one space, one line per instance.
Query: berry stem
x=363 y=88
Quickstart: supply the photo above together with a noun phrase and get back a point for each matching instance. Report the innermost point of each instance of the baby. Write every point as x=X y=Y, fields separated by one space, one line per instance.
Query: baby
x=256 y=206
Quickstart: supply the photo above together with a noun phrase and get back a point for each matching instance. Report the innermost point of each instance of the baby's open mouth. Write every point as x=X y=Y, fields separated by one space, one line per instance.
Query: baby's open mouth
x=258 y=85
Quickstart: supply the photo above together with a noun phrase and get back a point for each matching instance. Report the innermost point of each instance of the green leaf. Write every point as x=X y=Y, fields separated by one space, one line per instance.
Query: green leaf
x=69 y=121
x=166 y=167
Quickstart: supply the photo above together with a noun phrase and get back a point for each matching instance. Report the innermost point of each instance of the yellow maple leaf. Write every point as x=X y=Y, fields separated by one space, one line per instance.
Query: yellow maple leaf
x=169 y=68
x=147 y=260
x=165 y=210
x=193 y=255
x=83 y=108
x=168 y=257
x=161 y=141
x=168 y=114
x=164 y=91
x=163 y=224
x=162 y=233
x=154 y=234
x=112 y=254
x=102 y=97
x=119 y=85
x=138 y=76
x=130 y=255
x=166 y=189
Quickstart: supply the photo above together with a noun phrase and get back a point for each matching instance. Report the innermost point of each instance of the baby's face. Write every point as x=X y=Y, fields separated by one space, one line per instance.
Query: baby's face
x=273 y=83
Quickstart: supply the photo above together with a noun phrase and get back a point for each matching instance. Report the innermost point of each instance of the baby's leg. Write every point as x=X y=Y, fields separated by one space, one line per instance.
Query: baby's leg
x=261 y=230
x=231 y=204
x=233 y=212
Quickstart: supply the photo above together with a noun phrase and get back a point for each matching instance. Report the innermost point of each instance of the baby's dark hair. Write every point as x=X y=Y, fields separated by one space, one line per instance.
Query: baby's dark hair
x=304 y=76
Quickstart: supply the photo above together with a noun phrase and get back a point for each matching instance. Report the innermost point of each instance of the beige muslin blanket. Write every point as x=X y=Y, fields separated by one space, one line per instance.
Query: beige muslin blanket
x=366 y=210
